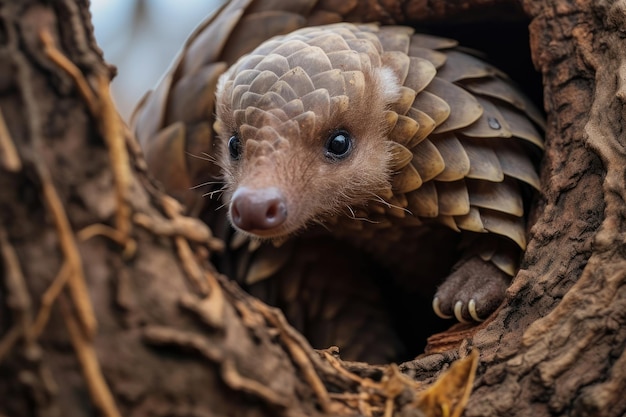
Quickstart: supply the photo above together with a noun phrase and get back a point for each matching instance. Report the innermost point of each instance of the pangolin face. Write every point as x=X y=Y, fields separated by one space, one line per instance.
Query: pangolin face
x=302 y=126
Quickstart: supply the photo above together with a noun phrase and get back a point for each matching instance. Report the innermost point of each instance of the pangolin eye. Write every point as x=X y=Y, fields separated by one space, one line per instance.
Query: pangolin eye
x=234 y=147
x=339 y=144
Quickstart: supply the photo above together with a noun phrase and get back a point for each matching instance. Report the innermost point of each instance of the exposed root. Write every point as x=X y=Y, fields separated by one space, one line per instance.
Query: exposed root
x=191 y=228
x=98 y=389
x=184 y=229
x=80 y=319
x=9 y=159
x=374 y=397
x=99 y=229
x=48 y=299
x=111 y=128
x=9 y=340
x=113 y=131
x=78 y=287
x=190 y=264
x=237 y=381
x=209 y=309
x=18 y=298
x=298 y=354
x=56 y=56
x=336 y=364
x=167 y=336
x=53 y=291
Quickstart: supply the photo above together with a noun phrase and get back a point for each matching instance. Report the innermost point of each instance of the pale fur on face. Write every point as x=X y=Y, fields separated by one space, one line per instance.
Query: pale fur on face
x=278 y=153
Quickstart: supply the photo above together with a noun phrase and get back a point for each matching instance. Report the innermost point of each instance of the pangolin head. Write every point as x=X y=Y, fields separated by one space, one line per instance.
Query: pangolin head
x=302 y=124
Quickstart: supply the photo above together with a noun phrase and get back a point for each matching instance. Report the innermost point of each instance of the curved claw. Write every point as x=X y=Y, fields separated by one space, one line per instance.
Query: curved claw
x=437 y=309
x=471 y=307
x=457 y=312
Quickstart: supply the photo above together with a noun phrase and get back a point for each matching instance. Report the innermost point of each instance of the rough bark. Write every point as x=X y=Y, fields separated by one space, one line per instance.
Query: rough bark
x=140 y=324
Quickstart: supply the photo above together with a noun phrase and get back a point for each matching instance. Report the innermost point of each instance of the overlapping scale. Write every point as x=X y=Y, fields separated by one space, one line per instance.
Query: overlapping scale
x=313 y=59
x=399 y=63
x=520 y=126
x=432 y=42
x=330 y=42
x=345 y=60
x=427 y=160
x=420 y=74
x=461 y=66
x=491 y=123
x=434 y=57
x=395 y=38
x=274 y=63
x=464 y=108
x=434 y=106
x=504 y=224
x=502 y=196
x=454 y=198
x=484 y=163
x=424 y=202
x=507 y=92
x=408 y=179
x=470 y=221
x=456 y=161
x=464 y=137
x=403 y=132
x=516 y=163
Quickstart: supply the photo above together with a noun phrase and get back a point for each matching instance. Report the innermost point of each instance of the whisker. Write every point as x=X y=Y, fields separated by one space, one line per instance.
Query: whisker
x=210 y=194
x=221 y=206
x=388 y=204
x=206 y=183
x=363 y=219
x=352 y=215
x=319 y=222
x=204 y=156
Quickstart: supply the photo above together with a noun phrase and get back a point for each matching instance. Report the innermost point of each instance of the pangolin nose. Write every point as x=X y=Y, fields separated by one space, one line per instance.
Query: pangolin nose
x=258 y=209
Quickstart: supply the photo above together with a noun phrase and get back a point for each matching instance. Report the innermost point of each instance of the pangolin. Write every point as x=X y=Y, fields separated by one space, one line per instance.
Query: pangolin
x=345 y=152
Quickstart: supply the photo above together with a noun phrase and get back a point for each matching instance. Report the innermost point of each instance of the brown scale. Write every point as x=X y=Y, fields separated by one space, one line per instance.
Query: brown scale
x=451 y=137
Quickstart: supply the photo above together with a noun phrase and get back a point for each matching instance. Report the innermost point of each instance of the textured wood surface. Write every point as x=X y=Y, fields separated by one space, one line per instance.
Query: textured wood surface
x=556 y=347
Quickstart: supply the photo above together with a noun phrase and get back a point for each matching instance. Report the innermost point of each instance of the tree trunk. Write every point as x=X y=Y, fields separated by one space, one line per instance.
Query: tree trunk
x=108 y=305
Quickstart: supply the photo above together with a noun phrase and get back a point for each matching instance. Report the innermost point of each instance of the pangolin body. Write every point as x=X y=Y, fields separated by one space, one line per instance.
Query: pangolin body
x=370 y=137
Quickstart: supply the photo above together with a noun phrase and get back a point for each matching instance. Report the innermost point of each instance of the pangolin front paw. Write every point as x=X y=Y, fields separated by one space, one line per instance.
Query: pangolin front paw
x=472 y=291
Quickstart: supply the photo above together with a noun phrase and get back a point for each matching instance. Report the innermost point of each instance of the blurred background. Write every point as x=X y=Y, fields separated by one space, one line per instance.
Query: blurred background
x=141 y=37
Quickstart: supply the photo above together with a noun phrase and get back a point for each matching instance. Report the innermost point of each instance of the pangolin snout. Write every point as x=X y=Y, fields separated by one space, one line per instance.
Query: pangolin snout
x=258 y=209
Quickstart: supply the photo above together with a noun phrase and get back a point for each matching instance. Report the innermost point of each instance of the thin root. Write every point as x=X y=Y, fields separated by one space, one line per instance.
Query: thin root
x=9 y=158
x=191 y=228
x=189 y=262
x=56 y=56
x=48 y=299
x=53 y=291
x=17 y=291
x=98 y=389
x=110 y=125
x=238 y=382
x=78 y=287
x=9 y=340
x=113 y=132
x=99 y=229
x=336 y=364
x=299 y=356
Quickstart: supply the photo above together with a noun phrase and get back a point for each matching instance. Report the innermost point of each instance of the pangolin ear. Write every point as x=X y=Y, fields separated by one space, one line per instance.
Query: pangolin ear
x=389 y=84
x=222 y=86
x=224 y=123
